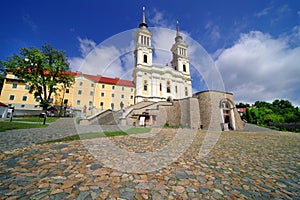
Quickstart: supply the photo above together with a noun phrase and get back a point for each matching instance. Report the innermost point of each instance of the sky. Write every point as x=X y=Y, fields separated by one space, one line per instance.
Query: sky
x=248 y=47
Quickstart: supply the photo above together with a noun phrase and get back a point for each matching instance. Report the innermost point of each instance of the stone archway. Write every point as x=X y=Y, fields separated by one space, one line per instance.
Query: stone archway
x=227 y=114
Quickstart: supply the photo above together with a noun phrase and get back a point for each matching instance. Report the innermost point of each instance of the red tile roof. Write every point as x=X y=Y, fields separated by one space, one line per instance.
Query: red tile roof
x=103 y=79
x=3 y=105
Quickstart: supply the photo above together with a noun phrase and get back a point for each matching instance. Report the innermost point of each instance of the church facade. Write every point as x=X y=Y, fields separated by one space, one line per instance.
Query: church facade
x=160 y=83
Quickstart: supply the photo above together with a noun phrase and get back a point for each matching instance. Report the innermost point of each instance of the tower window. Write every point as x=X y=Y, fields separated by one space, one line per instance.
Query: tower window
x=160 y=87
x=145 y=59
x=145 y=86
x=176 y=89
x=186 y=92
x=184 y=68
x=168 y=87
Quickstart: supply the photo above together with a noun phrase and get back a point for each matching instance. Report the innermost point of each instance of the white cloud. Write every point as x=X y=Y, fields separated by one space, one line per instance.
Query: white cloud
x=259 y=67
x=86 y=46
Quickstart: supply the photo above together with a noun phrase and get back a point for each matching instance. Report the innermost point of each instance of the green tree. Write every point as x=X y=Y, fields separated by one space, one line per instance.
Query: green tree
x=2 y=75
x=43 y=69
x=249 y=116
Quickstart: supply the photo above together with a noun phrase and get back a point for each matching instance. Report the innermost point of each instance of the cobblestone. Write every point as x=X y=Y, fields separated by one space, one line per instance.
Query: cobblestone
x=248 y=165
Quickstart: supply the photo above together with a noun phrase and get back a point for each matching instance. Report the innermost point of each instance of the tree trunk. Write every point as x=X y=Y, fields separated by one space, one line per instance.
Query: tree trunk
x=45 y=116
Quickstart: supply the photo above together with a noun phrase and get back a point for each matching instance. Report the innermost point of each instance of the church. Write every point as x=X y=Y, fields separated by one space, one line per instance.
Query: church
x=160 y=83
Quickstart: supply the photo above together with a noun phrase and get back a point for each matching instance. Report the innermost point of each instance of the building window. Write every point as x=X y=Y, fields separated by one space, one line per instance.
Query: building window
x=14 y=85
x=131 y=97
x=176 y=89
x=26 y=87
x=90 y=103
x=66 y=101
x=37 y=99
x=145 y=85
x=24 y=98
x=123 y=88
x=67 y=91
x=78 y=102
x=81 y=83
x=112 y=95
x=91 y=93
x=122 y=96
x=103 y=86
x=131 y=89
x=102 y=94
x=79 y=92
x=145 y=58
x=92 y=84
x=184 y=68
x=113 y=87
x=168 y=87
x=11 y=97
x=160 y=87
x=23 y=106
x=101 y=104
x=186 y=91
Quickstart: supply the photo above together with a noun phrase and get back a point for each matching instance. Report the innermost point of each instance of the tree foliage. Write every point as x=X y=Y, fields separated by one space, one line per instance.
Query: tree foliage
x=43 y=69
x=279 y=111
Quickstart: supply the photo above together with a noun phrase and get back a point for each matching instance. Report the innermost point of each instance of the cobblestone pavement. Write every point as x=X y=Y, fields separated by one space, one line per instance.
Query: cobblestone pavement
x=240 y=166
x=63 y=127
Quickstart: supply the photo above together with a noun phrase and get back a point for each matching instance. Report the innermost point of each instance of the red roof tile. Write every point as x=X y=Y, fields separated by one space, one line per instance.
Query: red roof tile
x=103 y=79
x=3 y=105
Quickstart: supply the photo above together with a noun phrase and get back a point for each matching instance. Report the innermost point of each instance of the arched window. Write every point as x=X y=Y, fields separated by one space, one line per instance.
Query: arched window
x=145 y=59
x=184 y=68
x=145 y=85
x=160 y=87
x=168 y=87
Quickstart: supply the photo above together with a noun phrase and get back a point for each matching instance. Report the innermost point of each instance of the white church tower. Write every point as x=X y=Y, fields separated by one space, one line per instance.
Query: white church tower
x=180 y=60
x=143 y=49
x=160 y=83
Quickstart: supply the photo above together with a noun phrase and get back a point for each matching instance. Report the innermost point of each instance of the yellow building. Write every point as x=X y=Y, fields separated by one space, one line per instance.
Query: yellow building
x=88 y=94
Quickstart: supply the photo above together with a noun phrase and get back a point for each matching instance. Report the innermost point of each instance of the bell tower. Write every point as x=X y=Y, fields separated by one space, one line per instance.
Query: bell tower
x=143 y=49
x=180 y=61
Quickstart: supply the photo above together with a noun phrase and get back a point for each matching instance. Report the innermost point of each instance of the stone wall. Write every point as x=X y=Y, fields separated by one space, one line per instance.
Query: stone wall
x=210 y=110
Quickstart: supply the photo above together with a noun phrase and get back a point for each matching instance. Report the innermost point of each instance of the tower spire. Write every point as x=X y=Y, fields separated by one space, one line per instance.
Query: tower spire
x=143 y=24
x=178 y=37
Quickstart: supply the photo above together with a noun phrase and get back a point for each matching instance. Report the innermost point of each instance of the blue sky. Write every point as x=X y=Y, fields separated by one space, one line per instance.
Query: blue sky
x=254 y=44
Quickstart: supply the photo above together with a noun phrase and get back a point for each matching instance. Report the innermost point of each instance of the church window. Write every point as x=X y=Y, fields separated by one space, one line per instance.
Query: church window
x=160 y=87
x=186 y=92
x=145 y=85
x=145 y=59
x=176 y=88
x=184 y=68
x=168 y=87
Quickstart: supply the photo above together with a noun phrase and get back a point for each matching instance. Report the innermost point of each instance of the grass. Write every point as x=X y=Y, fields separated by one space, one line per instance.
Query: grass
x=18 y=125
x=93 y=135
x=35 y=119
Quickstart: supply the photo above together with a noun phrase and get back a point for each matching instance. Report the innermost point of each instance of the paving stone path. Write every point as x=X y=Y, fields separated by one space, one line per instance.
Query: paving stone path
x=63 y=127
x=246 y=165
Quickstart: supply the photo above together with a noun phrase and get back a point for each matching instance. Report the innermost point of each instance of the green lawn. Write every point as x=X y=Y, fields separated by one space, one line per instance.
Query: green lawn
x=18 y=125
x=85 y=136
x=35 y=119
